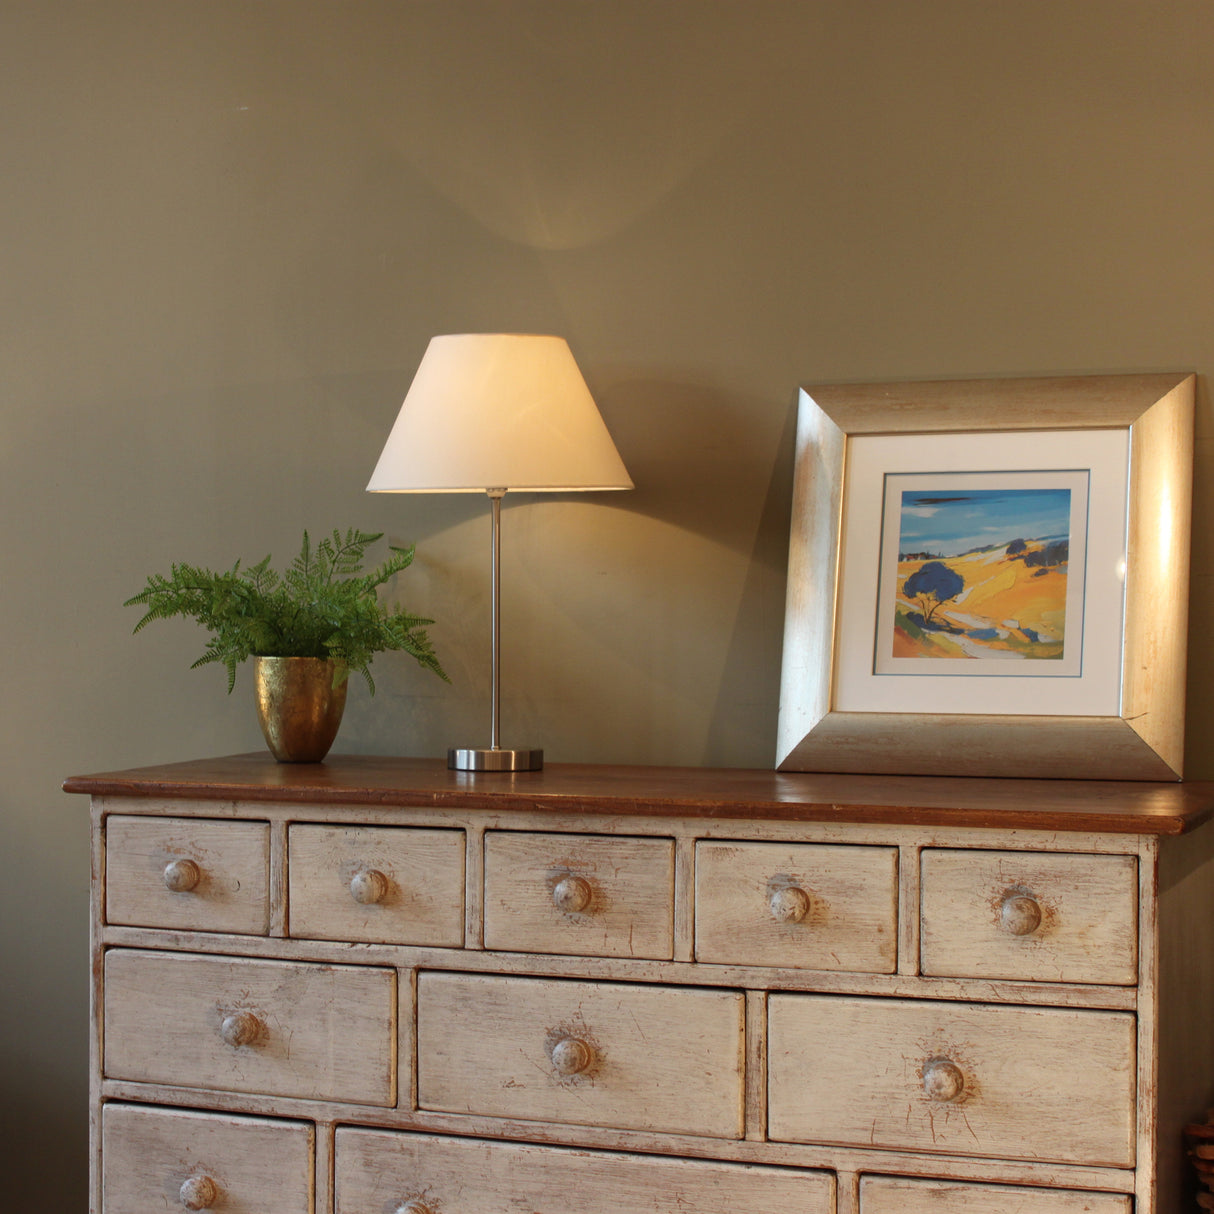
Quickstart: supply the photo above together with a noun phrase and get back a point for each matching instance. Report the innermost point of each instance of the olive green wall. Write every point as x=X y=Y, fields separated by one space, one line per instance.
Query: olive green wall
x=229 y=228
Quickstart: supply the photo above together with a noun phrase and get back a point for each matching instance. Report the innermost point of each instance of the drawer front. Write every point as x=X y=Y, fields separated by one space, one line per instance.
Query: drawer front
x=894 y=1195
x=154 y=1160
x=591 y=1053
x=810 y=906
x=967 y=1079
x=190 y=873
x=391 y=885
x=1038 y=916
x=587 y=895
x=383 y=1171
x=323 y=1032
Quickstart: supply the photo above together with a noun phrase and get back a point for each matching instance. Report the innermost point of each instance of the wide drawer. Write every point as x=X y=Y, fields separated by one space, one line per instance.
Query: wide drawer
x=1038 y=916
x=968 y=1079
x=592 y=1053
x=323 y=1032
x=191 y=873
x=382 y=1171
x=384 y=885
x=895 y=1195
x=155 y=1160
x=813 y=906
x=587 y=895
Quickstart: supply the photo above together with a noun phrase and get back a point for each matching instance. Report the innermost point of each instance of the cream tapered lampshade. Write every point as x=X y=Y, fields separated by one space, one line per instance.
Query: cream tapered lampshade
x=498 y=411
x=492 y=412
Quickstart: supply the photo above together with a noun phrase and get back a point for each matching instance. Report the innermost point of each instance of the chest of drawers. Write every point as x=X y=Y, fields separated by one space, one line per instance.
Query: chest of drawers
x=375 y=986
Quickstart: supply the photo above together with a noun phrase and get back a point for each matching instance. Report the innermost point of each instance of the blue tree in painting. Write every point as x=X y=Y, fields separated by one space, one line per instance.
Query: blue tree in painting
x=933 y=585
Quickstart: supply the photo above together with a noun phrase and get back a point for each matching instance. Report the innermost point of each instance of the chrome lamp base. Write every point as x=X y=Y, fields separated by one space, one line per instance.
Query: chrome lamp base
x=494 y=759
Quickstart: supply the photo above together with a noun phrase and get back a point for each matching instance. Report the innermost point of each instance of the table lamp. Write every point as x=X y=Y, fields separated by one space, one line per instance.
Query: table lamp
x=488 y=413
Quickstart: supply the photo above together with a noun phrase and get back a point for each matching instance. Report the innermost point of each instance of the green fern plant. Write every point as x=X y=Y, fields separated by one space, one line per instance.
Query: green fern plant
x=321 y=607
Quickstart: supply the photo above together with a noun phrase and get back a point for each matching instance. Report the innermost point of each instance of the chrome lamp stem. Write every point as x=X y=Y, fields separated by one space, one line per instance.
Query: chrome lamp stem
x=495 y=758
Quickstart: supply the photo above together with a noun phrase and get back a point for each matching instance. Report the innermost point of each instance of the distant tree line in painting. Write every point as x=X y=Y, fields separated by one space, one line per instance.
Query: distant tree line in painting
x=1055 y=553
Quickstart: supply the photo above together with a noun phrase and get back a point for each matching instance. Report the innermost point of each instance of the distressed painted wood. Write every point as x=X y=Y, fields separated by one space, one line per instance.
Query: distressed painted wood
x=384 y=1171
x=278 y=878
x=891 y=1195
x=474 y=887
x=740 y=977
x=179 y=872
x=599 y=896
x=1039 y=916
x=325 y=1164
x=756 y=1066
x=564 y=789
x=382 y=885
x=812 y=906
x=1046 y=1083
x=646 y=1057
x=169 y=1159
x=1180 y=993
x=986 y=1170
x=684 y=898
x=97 y=875
x=1150 y=1188
x=666 y=1055
x=281 y=1028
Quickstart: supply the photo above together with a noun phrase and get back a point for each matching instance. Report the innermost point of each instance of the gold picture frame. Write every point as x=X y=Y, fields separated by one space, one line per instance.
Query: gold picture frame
x=1142 y=736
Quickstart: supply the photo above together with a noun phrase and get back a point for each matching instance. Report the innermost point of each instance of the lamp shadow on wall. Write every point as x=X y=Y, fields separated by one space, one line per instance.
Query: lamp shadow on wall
x=643 y=626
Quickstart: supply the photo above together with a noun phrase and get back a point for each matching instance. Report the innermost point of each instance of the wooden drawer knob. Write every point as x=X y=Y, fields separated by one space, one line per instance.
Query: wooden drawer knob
x=943 y=1080
x=571 y=1056
x=789 y=905
x=181 y=876
x=368 y=886
x=199 y=1193
x=1020 y=915
x=240 y=1028
x=572 y=894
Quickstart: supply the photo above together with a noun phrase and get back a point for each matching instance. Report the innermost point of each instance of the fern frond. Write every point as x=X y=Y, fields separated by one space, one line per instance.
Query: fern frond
x=321 y=607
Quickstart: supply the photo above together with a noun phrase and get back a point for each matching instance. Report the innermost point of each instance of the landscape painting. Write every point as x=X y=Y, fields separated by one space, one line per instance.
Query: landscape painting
x=982 y=573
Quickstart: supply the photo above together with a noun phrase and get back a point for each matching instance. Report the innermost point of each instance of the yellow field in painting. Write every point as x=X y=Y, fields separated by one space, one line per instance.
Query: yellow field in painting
x=1001 y=595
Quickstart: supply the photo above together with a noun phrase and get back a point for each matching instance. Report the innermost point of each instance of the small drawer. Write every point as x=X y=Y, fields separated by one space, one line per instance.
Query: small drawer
x=810 y=906
x=966 y=1079
x=896 y=1195
x=383 y=885
x=588 y=1053
x=1036 y=916
x=155 y=1160
x=381 y=1171
x=279 y=1028
x=587 y=895
x=196 y=874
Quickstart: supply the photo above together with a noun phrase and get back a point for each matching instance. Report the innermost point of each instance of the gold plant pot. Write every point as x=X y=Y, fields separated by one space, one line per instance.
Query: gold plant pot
x=298 y=705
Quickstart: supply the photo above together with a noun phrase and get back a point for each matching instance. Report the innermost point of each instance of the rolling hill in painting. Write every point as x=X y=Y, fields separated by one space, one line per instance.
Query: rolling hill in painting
x=1006 y=601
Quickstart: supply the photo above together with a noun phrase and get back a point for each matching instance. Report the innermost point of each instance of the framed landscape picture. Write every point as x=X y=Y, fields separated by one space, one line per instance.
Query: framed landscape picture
x=990 y=578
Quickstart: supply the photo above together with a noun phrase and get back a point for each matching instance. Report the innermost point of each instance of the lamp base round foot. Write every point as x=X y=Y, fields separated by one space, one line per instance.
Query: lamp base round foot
x=494 y=759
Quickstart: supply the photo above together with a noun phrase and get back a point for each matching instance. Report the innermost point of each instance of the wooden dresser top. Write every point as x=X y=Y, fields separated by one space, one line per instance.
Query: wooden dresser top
x=1063 y=805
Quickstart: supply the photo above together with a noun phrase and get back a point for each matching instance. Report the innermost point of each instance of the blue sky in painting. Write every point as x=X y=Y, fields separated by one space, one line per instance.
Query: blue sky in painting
x=950 y=522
